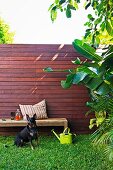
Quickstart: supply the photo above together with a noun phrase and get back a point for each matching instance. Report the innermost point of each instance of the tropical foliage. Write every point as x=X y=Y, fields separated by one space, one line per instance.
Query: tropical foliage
x=96 y=72
x=103 y=136
x=6 y=37
x=103 y=108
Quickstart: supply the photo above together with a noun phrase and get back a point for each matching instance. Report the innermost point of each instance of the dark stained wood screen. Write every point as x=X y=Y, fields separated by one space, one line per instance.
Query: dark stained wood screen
x=22 y=81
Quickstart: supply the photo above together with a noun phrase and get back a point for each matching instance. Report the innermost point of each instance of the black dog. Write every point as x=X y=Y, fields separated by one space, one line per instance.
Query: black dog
x=28 y=134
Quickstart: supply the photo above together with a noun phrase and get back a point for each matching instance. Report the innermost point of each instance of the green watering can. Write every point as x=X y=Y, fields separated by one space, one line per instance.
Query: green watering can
x=65 y=137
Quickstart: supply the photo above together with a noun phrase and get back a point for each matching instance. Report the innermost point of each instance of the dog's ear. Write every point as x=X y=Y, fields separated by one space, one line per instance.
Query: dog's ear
x=34 y=116
x=27 y=116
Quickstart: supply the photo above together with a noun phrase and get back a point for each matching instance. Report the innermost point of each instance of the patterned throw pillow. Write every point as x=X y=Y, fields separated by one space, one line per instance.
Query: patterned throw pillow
x=40 y=110
x=26 y=109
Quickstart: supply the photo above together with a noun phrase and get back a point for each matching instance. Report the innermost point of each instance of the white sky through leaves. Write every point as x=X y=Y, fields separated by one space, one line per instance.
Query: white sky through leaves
x=30 y=20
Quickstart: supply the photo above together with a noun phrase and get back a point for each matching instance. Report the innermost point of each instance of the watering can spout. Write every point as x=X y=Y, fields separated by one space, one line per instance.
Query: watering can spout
x=55 y=134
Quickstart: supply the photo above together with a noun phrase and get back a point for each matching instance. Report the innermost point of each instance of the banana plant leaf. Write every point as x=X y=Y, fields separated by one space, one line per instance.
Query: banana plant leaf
x=94 y=65
x=85 y=50
x=94 y=83
x=96 y=73
x=77 y=61
x=68 y=82
x=78 y=77
x=89 y=70
x=103 y=89
x=65 y=84
x=87 y=79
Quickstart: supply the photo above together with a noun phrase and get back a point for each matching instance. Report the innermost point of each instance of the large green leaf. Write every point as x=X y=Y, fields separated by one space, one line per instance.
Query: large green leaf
x=78 y=77
x=69 y=77
x=68 y=82
x=94 y=65
x=103 y=89
x=87 y=79
x=94 y=83
x=65 y=84
x=86 y=50
x=77 y=61
x=93 y=72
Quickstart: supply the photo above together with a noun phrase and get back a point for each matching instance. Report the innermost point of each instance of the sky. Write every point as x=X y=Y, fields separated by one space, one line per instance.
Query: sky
x=30 y=20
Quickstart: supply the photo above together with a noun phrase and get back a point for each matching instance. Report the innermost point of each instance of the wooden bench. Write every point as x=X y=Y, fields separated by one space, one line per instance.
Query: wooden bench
x=43 y=122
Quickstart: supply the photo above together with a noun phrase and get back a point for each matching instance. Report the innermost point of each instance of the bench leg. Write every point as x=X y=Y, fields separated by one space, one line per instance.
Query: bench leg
x=65 y=124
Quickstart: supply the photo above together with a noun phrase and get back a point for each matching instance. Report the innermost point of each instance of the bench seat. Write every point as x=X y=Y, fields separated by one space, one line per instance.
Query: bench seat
x=42 y=122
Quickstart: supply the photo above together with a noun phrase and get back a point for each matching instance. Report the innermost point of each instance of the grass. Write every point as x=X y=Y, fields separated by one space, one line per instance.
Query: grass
x=51 y=155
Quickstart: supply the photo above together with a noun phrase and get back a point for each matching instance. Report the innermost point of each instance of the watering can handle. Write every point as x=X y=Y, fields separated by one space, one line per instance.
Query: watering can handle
x=66 y=130
x=52 y=130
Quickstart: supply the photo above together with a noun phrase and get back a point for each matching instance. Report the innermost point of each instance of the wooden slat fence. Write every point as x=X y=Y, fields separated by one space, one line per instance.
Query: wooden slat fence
x=22 y=81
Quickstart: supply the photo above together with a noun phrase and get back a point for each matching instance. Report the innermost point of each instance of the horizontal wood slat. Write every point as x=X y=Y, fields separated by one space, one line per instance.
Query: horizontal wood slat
x=23 y=81
x=35 y=62
x=42 y=57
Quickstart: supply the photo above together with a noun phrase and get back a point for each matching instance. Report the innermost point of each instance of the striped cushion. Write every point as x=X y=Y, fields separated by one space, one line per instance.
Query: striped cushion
x=26 y=109
x=40 y=110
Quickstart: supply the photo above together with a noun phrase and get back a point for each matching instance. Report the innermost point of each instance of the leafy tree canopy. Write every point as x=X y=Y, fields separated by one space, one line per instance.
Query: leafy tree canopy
x=6 y=37
x=99 y=27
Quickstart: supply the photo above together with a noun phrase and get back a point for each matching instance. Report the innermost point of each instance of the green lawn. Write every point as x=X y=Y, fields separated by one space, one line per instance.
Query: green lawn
x=51 y=155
